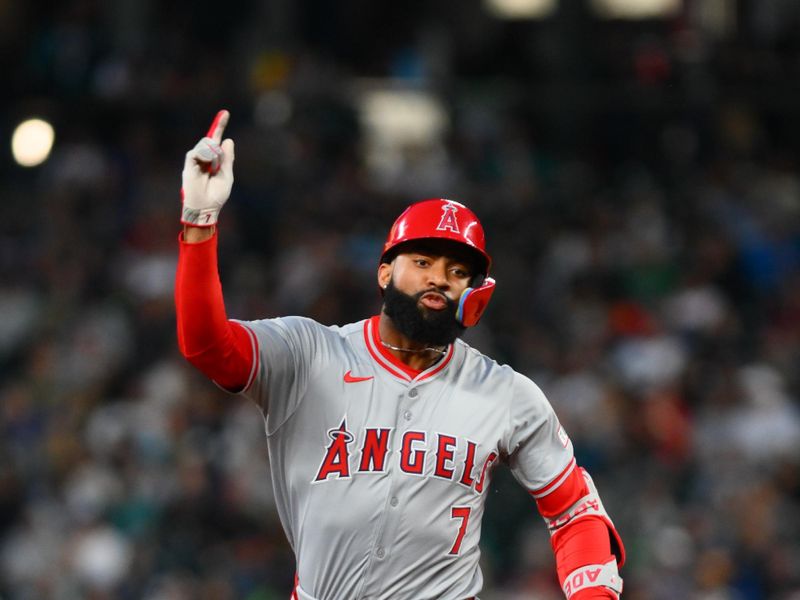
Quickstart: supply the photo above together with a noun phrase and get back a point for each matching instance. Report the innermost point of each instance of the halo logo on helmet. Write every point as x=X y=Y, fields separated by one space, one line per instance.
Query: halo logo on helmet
x=439 y=218
x=449 y=220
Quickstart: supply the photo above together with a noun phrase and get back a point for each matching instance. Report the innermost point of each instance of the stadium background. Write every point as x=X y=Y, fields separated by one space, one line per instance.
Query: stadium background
x=638 y=179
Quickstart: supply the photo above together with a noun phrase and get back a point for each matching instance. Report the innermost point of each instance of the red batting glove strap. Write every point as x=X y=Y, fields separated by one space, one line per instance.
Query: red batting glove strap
x=220 y=348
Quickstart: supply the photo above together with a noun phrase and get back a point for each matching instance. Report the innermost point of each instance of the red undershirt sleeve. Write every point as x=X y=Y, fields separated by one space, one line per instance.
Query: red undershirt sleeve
x=220 y=348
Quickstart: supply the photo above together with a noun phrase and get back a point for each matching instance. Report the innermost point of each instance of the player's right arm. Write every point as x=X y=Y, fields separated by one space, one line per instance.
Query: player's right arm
x=221 y=349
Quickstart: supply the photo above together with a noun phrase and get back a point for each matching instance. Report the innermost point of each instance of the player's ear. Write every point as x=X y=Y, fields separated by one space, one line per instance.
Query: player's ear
x=384 y=275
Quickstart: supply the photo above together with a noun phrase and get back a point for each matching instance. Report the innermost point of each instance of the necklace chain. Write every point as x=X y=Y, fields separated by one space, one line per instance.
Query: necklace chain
x=413 y=351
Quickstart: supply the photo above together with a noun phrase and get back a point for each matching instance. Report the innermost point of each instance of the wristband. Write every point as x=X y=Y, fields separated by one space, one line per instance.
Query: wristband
x=605 y=575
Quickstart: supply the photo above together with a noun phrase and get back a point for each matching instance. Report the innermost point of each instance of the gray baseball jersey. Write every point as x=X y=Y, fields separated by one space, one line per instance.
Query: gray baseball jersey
x=380 y=473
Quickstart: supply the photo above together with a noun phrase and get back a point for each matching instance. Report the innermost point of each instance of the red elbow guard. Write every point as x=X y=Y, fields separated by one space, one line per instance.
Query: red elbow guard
x=587 y=547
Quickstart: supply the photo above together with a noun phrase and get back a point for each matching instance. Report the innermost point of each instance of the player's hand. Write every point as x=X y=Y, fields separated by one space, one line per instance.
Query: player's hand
x=208 y=176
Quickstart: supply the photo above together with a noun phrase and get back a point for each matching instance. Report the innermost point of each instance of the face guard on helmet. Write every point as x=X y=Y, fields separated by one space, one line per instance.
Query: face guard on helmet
x=442 y=219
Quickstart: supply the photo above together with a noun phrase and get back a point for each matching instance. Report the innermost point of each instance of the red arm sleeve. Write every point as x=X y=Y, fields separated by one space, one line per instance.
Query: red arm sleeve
x=223 y=350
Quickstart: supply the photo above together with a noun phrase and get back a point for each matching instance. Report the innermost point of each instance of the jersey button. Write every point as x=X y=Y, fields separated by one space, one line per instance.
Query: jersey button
x=407 y=415
x=394 y=501
x=413 y=393
x=380 y=552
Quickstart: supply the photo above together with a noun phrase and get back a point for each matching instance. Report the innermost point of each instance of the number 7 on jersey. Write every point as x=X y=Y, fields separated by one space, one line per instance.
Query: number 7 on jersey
x=460 y=512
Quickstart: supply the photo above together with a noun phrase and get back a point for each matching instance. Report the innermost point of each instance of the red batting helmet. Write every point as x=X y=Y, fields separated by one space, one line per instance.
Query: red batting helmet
x=439 y=218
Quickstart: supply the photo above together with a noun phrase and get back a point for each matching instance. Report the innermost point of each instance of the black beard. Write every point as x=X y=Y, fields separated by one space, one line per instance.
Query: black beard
x=432 y=328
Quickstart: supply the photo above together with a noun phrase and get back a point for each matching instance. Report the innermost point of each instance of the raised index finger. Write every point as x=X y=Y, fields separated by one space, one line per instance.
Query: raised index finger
x=218 y=126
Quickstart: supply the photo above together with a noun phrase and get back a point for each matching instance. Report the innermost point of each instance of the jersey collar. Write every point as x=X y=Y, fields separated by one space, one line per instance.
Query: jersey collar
x=394 y=365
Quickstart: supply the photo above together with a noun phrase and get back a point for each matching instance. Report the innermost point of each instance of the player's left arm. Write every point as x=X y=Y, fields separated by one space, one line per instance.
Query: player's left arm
x=587 y=547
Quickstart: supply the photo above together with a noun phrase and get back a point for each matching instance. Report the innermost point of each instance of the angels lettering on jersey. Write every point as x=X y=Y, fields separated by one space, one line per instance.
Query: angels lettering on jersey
x=418 y=453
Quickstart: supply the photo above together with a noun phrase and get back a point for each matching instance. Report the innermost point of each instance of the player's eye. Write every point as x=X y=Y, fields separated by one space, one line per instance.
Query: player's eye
x=422 y=262
x=460 y=273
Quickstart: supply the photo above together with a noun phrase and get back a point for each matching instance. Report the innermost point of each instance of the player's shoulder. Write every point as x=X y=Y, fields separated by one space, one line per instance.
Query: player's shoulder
x=328 y=330
x=303 y=326
x=287 y=323
x=486 y=368
x=349 y=330
x=483 y=367
x=329 y=335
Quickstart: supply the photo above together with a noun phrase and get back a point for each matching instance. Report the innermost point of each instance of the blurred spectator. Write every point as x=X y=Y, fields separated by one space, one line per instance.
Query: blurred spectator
x=639 y=186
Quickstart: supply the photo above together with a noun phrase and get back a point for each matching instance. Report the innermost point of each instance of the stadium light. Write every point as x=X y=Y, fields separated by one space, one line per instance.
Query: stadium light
x=403 y=116
x=400 y=125
x=521 y=9
x=32 y=142
x=636 y=9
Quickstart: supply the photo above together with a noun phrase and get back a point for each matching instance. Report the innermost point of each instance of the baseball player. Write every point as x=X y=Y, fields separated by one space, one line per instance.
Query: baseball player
x=382 y=434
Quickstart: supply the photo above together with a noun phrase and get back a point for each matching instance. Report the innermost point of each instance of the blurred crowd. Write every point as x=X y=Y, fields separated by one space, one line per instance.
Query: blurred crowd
x=640 y=191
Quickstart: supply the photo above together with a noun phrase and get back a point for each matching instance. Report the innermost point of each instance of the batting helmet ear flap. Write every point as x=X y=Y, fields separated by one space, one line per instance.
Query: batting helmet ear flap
x=473 y=302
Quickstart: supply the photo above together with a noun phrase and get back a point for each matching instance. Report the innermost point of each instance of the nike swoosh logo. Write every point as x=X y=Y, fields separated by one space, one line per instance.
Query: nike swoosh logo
x=350 y=378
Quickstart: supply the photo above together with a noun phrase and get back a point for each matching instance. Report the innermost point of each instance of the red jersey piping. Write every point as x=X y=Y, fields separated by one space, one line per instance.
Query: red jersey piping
x=256 y=356
x=391 y=363
x=553 y=485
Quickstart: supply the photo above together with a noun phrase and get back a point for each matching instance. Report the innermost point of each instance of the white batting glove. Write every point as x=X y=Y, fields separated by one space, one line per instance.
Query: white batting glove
x=207 y=176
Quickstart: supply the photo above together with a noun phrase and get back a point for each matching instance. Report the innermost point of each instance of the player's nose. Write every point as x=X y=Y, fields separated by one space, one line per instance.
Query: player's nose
x=437 y=275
